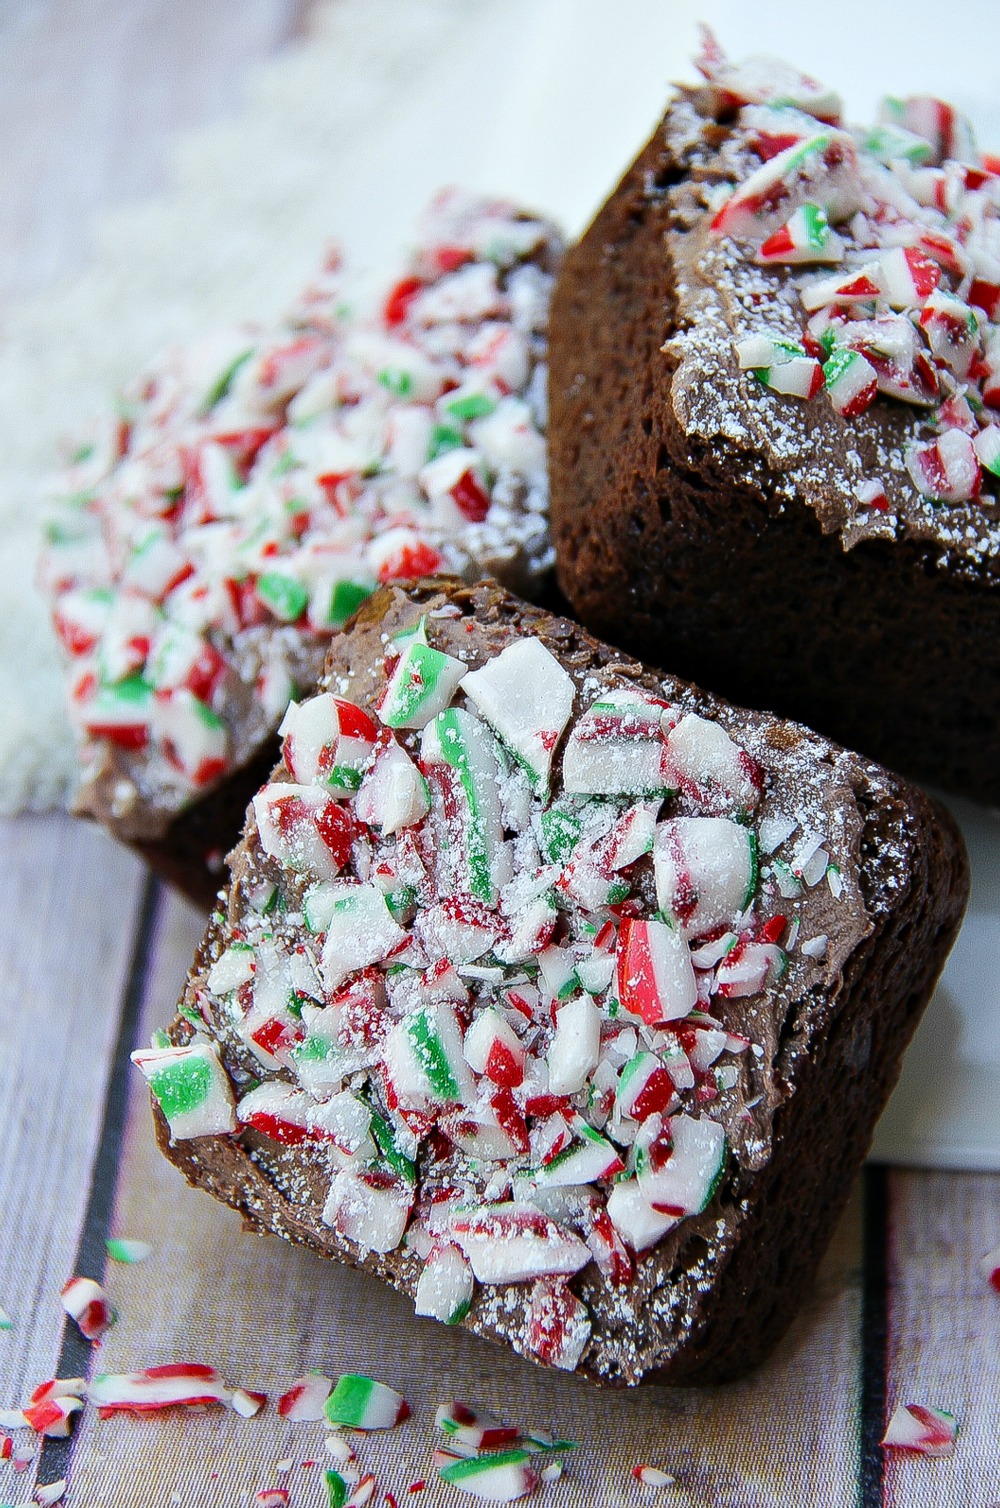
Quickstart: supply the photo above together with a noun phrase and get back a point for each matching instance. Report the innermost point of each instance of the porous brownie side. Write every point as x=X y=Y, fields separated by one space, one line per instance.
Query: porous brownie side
x=687 y=556
x=709 y=1301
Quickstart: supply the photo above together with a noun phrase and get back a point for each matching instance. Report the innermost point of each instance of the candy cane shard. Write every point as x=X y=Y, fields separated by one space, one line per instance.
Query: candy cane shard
x=706 y=871
x=305 y=1401
x=652 y=1477
x=170 y=1386
x=559 y=1325
x=822 y=171
x=654 y=971
x=363 y=1403
x=421 y=685
x=445 y=1287
x=191 y=1088
x=53 y=1416
x=527 y=698
x=469 y=1427
x=52 y=1492
x=6 y=1323
x=459 y=756
x=247 y=1403
x=805 y=237
x=129 y=1252
x=617 y=747
x=514 y=1243
x=361 y=931
x=502 y=1477
x=922 y=1430
x=86 y=1302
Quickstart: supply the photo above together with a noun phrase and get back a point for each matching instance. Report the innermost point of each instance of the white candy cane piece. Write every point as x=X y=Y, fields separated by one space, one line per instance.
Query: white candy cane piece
x=749 y=968
x=908 y=277
x=947 y=469
x=466 y=1426
x=922 y=1430
x=86 y=1302
x=558 y=1325
x=805 y=237
x=575 y=1046
x=822 y=170
x=652 y=1477
x=191 y=1088
x=393 y=794
x=231 y=969
x=288 y=1115
x=479 y=1134
x=492 y=1047
x=303 y=1402
x=445 y=1287
x=503 y=1477
x=195 y=737
x=246 y=1403
x=361 y=931
x=422 y=684
x=327 y=740
x=987 y=447
x=952 y=331
x=616 y=747
x=515 y=1243
x=178 y=1383
x=370 y=1208
x=688 y=1179
x=301 y=826
x=423 y=1058
x=54 y=1415
x=459 y=757
x=459 y=929
x=527 y=698
x=705 y=871
x=644 y=1087
x=586 y=1161
x=705 y=763
x=860 y=285
x=851 y=382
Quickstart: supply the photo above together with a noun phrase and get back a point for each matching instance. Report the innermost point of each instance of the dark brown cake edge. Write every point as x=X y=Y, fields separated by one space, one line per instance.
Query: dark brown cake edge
x=684 y=554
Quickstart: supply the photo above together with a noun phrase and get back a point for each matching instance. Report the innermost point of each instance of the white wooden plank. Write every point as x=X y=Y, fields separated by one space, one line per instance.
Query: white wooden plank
x=944 y=1347
x=91 y=93
x=70 y=901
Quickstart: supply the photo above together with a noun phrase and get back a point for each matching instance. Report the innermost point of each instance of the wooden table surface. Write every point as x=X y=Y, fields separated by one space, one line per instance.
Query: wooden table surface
x=93 y=954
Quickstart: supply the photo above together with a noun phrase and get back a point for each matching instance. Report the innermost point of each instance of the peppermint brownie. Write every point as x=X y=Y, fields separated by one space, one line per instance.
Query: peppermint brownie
x=775 y=391
x=251 y=492
x=556 y=992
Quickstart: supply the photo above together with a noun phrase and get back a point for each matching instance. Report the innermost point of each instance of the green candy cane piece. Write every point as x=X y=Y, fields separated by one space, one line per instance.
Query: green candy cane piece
x=182 y=1086
x=422 y=684
x=282 y=595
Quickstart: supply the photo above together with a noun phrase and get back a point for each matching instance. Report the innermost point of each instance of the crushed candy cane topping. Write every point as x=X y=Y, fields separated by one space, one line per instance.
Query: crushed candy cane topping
x=251 y=493
x=852 y=266
x=921 y=1430
x=500 y=1023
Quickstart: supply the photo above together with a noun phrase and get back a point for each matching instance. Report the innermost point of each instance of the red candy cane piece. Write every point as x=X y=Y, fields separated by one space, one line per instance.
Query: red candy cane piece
x=86 y=1302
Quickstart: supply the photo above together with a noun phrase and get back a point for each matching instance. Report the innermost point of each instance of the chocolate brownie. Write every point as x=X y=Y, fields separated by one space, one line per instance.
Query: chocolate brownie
x=775 y=417
x=559 y=994
x=251 y=491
